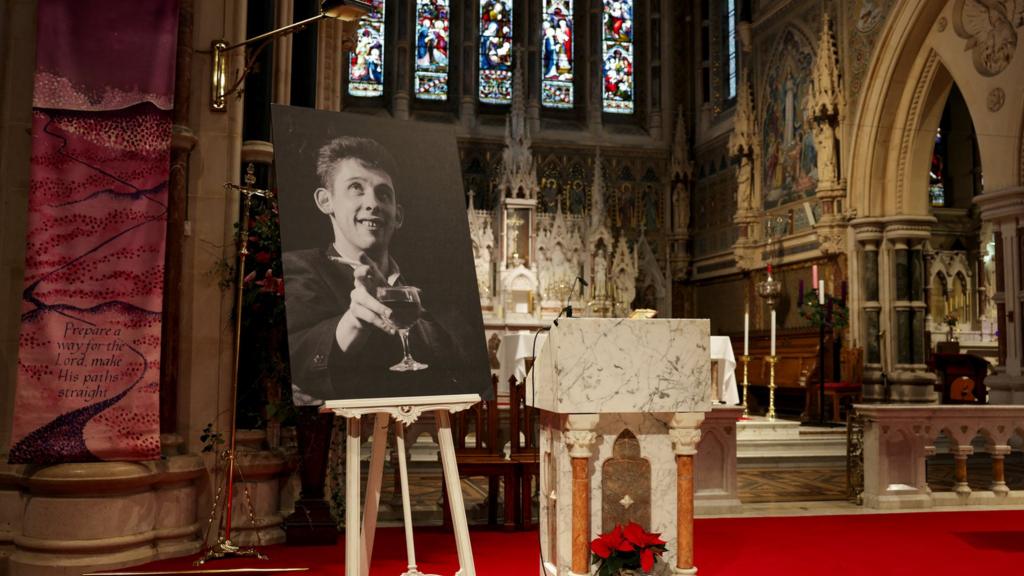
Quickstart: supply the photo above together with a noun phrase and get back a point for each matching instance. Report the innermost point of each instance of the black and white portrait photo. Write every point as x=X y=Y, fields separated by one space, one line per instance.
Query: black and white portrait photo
x=380 y=290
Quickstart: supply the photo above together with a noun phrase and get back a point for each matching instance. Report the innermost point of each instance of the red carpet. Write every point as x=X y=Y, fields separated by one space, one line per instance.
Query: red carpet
x=935 y=544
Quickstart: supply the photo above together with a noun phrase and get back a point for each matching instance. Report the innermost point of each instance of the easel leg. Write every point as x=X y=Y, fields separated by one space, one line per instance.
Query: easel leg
x=410 y=544
x=373 y=481
x=458 y=507
x=353 y=543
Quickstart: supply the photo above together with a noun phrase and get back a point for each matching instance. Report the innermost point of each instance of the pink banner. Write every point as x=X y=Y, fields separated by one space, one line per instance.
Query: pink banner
x=89 y=362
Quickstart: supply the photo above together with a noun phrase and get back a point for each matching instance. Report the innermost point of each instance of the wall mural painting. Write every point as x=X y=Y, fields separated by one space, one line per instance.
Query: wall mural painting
x=789 y=161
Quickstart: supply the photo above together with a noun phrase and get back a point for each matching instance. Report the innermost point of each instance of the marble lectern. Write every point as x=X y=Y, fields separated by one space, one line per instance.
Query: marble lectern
x=621 y=406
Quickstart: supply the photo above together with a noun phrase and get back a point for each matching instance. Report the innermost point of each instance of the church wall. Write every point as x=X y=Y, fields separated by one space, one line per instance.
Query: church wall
x=17 y=68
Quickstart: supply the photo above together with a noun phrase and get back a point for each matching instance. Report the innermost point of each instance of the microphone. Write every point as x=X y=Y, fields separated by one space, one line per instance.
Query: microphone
x=567 y=310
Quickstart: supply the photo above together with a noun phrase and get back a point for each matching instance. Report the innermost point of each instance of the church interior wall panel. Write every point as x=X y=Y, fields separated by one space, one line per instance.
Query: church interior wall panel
x=17 y=68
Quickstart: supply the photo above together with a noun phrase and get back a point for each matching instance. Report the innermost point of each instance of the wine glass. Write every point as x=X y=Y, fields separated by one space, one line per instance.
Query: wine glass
x=404 y=302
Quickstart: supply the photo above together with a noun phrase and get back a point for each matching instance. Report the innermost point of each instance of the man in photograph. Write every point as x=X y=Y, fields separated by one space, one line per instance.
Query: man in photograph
x=344 y=341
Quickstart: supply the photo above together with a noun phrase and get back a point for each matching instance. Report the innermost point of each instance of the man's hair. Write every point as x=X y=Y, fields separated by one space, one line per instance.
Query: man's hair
x=370 y=152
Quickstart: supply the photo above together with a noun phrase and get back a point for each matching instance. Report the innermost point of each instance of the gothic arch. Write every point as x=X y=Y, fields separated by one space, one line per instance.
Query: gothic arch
x=916 y=61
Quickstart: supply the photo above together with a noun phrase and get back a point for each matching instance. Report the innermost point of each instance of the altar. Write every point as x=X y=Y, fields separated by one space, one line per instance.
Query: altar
x=621 y=404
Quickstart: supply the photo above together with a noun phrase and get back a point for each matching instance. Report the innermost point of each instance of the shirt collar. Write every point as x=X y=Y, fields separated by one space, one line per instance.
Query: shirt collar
x=392 y=279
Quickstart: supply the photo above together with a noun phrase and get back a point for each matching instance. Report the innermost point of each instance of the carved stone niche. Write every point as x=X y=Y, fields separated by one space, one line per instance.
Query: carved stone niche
x=626 y=493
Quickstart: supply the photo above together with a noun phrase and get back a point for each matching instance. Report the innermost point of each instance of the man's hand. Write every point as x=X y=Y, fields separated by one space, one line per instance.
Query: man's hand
x=365 y=312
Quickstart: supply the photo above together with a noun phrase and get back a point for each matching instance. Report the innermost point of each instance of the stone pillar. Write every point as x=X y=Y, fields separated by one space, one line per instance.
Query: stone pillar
x=901 y=283
x=865 y=306
x=1004 y=209
x=580 y=439
x=685 y=433
x=402 y=69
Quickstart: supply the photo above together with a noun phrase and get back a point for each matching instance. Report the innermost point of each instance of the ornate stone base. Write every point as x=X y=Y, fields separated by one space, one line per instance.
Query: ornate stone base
x=75 y=518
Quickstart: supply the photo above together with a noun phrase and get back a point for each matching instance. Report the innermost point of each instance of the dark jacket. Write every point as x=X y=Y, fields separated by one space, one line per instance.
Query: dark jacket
x=317 y=294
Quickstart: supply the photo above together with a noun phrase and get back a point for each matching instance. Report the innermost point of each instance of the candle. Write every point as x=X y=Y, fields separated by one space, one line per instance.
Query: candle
x=814 y=275
x=769 y=269
x=746 y=333
x=800 y=298
x=821 y=292
x=773 y=331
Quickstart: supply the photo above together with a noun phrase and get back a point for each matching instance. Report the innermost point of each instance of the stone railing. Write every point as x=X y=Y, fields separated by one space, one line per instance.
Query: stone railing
x=715 y=488
x=898 y=440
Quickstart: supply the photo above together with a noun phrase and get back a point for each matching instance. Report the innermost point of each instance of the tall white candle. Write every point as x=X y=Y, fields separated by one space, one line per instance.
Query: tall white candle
x=773 y=331
x=821 y=292
x=746 y=333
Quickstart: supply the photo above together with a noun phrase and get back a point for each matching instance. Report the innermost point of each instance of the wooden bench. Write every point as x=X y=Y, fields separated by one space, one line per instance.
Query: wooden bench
x=796 y=369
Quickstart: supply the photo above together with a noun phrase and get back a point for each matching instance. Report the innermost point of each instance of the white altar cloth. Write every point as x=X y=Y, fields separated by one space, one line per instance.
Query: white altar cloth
x=721 y=350
x=514 y=350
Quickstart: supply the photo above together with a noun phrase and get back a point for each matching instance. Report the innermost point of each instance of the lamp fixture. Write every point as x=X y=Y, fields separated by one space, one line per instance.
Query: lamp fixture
x=344 y=10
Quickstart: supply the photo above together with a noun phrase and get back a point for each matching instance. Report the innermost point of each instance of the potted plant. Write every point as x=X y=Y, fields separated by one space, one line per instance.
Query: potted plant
x=626 y=551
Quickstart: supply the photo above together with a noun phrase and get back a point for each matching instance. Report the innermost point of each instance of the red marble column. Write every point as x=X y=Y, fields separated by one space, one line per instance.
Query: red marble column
x=580 y=515
x=684 y=511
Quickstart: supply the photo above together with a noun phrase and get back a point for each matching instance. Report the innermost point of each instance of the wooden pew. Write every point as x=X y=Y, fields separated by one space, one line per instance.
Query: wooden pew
x=795 y=370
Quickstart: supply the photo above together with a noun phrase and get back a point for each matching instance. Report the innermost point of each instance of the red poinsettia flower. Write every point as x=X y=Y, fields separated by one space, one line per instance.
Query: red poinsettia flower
x=627 y=547
x=606 y=544
x=641 y=539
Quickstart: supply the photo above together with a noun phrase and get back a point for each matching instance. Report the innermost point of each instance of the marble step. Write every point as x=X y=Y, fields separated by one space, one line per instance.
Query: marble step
x=786 y=444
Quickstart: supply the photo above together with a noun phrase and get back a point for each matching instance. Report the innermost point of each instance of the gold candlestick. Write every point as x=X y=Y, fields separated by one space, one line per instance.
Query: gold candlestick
x=746 y=402
x=771 y=387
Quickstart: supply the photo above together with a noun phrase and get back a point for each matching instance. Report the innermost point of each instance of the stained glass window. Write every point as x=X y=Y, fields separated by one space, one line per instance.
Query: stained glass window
x=731 y=51
x=937 y=172
x=431 y=76
x=496 y=51
x=617 y=44
x=556 y=54
x=366 y=63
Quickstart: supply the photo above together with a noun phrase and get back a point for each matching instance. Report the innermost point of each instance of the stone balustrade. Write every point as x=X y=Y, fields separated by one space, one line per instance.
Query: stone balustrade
x=898 y=440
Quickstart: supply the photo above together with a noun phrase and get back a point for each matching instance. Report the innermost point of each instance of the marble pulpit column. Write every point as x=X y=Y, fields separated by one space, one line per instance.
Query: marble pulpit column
x=684 y=430
x=579 y=439
x=1005 y=210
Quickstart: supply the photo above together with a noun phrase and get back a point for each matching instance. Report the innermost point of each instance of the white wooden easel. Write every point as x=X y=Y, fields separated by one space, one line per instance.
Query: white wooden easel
x=405 y=411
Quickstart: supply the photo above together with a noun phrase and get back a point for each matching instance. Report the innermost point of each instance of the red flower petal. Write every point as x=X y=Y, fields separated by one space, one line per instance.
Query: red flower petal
x=635 y=534
x=601 y=548
x=646 y=560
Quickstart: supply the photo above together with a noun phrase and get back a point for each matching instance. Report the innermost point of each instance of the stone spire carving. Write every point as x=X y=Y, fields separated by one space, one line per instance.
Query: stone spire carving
x=742 y=146
x=518 y=169
x=682 y=179
x=825 y=107
x=744 y=131
x=825 y=103
x=682 y=164
x=597 y=195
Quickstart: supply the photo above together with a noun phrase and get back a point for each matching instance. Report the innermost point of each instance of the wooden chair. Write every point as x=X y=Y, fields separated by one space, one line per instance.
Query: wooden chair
x=484 y=457
x=525 y=450
x=851 y=368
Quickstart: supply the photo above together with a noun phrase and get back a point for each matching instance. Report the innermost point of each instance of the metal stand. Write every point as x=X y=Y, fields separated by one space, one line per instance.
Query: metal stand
x=405 y=411
x=224 y=548
x=771 y=387
x=821 y=373
x=746 y=399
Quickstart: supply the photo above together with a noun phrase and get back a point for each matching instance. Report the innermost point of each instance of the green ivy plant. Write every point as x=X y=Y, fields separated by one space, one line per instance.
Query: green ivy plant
x=818 y=314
